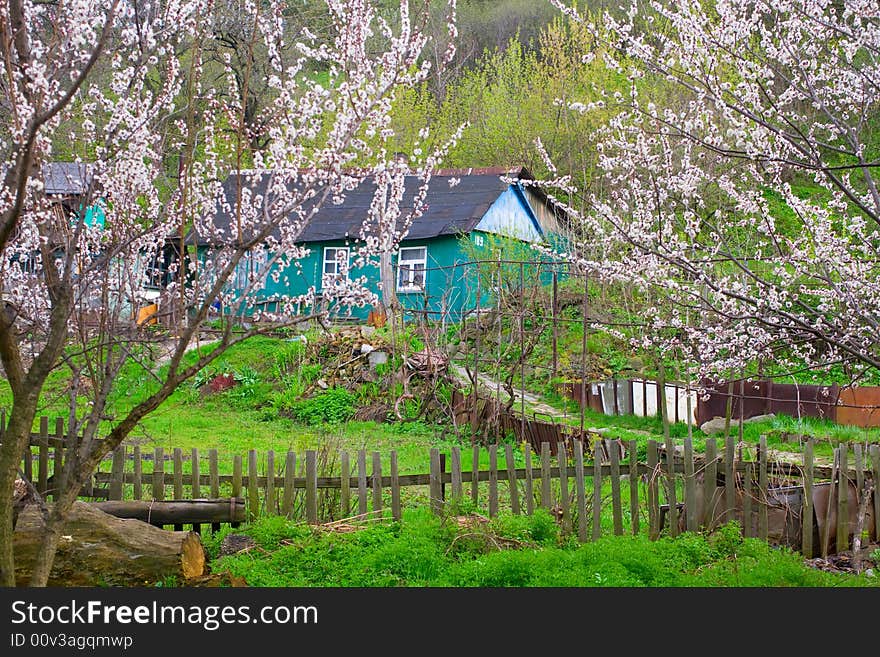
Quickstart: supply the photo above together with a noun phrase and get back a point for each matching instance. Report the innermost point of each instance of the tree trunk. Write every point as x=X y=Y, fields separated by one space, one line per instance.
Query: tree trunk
x=177 y=512
x=95 y=548
x=15 y=440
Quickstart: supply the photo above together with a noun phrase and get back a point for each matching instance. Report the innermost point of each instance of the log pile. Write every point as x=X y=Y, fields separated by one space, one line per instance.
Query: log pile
x=97 y=548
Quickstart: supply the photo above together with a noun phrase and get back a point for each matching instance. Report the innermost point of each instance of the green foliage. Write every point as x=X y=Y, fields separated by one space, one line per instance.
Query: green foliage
x=424 y=550
x=331 y=406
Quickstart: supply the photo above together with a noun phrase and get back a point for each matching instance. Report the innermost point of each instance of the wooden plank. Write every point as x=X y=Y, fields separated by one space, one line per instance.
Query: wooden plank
x=763 y=485
x=562 y=455
x=729 y=479
x=826 y=535
x=690 y=487
x=117 y=473
x=311 y=487
x=362 y=482
x=616 y=507
x=710 y=483
x=510 y=464
x=633 y=484
x=213 y=473
x=842 y=500
x=344 y=488
x=253 y=491
x=43 y=464
x=236 y=479
x=290 y=474
x=434 y=483
x=377 y=483
x=580 y=490
x=670 y=479
x=807 y=514
x=455 y=465
x=475 y=480
x=653 y=492
x=214 y=481
x=271 y=503
x=158 y=474
x=236 y=475
x=493 y=481
x=875 y=470
x=195 y=467
x=546 y=490
x=859 y=466
x=138 y=488
x=177 y=468
x=396 y=512
x=530 y=480
x=748 y=498
x=597 y=491
x=58 y=465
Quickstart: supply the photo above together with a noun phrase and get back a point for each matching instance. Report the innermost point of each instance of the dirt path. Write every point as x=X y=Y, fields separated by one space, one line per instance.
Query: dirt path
x=492 y=387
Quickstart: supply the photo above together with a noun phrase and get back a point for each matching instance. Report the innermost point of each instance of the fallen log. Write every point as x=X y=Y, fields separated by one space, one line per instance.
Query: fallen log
x=97 y=548
x=178 y=512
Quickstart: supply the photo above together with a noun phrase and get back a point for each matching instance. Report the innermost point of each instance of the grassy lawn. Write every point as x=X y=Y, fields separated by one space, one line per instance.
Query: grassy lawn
x=517 y=551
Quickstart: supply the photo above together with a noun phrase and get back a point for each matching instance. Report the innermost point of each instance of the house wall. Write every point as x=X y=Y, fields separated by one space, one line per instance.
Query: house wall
x=445 y=290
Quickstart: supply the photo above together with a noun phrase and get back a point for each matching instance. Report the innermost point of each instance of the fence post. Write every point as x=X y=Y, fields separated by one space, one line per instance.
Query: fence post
x=270 y=483
x=362 y=482
x=807 y=509
x=690 y=486
x=43 y=473
x=616 y=509
x=312 y=487
x=475 y=475
x=177 y=468
x=875 y=468
x=493 y=481
x=236 y=479
x=710 y=483
x=511 y=478
x=434 y=482
x=842 y=500
x=562 y=456
x=530 y=490
x=455 y=465
x=377 y=484
x=580 y=488
x=634 y=486
x=253 y=489
x=158 y=474
x=395 y=488
x=670 y=481
x=345 y=486
x=138 y=490
x=763 y=484
x=653 y=492
x=826 y=535
x=597 y=490
x=730 y=479
x=546 y=490
x=118 y=473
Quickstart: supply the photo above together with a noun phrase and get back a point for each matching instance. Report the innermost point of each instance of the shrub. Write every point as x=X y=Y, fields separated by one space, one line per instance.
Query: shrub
x=331 y=406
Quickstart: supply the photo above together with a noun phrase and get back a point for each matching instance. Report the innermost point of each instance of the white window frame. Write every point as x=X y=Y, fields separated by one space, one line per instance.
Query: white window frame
x=411 y=287
x=336 y=262
x=252 y=268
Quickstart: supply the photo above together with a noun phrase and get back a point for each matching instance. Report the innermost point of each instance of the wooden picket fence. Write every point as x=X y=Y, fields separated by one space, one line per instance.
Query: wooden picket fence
x=705 y=489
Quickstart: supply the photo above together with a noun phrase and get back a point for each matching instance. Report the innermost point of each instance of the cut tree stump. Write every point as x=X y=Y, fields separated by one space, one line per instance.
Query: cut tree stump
x=97 y=548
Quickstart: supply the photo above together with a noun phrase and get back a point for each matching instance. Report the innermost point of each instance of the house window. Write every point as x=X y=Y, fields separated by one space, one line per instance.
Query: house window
x=335 y=265
x=411 y=264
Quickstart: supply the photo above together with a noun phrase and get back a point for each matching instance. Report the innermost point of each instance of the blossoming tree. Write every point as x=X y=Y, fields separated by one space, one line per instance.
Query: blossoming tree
x=123 y=87
x=741 y=176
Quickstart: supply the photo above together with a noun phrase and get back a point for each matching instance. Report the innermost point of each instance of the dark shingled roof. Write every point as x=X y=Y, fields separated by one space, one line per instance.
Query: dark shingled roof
x=66 y=178
x=448 y=211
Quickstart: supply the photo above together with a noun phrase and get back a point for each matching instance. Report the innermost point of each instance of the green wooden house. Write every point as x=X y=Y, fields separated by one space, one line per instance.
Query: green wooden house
x=469 y=215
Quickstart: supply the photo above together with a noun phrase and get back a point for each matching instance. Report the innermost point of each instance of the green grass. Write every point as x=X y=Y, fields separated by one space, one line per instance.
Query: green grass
x=423 y=550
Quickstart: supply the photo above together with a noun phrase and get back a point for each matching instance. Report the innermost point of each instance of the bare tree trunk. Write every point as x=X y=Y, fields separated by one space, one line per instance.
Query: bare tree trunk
x=15 y=441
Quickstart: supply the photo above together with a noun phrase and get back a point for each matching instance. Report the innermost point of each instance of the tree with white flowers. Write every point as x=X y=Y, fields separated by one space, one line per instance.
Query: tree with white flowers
x=740 y=178
x=122 y=86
